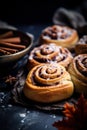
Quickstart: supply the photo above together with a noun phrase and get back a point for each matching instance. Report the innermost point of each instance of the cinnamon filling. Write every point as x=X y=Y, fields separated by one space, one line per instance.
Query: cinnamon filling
x=51 y=71
x=81 y=64
x=46 y=50
x=35 y=82
x=46 y=75
x=46 y=55
x=42 y=60
x=85 y=62
x=56 y=33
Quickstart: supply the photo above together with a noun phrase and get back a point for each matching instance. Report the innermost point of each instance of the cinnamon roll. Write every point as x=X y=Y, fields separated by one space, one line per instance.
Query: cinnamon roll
x=60 y=35
x=48 y=83
x=78 y=72
x=81 y=47
x=49 y=54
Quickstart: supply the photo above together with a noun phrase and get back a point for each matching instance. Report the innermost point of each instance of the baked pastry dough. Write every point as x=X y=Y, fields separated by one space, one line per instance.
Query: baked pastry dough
x=81 y=47
x=49 y=53
x=48 y=83
x=78 y=72
x=60 y=35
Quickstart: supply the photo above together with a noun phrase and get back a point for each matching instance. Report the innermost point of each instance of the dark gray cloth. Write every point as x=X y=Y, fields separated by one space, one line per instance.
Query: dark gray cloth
x=70 y=18
x=6 y=25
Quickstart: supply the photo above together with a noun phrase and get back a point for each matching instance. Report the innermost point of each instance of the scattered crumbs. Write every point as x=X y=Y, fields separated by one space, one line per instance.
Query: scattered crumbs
x=28 y=112
x=3 y=106
x=22 y=121
x=9 y=105
x=22 y=114
x=46 y=126
x=53 y=116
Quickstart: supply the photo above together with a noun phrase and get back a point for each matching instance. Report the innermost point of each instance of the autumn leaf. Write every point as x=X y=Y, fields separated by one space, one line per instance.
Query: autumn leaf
x=75 y=116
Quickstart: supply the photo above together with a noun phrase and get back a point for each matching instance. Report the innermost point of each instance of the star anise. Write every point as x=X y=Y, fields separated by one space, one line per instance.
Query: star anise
x=10 y=79
x=75 y=116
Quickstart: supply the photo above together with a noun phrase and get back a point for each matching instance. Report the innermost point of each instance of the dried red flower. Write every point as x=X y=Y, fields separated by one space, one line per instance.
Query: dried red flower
x=75 y=116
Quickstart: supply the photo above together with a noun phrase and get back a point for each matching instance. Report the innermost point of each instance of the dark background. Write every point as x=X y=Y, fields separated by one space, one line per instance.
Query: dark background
x=34 y=11
x=28 y=12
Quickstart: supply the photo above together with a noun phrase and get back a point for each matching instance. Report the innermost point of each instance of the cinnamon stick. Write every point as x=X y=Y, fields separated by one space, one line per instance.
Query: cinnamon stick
x=12 y=45
x=6 y=34
x=4 y=52
x=9 y=49
x=11 y=40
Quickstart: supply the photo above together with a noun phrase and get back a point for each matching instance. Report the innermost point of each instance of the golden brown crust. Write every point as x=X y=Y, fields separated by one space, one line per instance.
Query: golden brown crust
x=48 y=83
x=49 y=54
x=78 y=72
x=60 y=35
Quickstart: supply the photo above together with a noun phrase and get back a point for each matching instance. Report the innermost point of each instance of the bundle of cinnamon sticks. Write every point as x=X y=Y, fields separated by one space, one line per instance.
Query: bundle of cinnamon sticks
x=10 y=44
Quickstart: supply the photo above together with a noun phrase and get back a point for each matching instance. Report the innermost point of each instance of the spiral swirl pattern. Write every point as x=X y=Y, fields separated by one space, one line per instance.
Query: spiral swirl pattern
x=50 y=53
x=78 y=71
x=60 y=35
x=57 y=32
x=81 y=64
x=48 y=74
x=48 y=83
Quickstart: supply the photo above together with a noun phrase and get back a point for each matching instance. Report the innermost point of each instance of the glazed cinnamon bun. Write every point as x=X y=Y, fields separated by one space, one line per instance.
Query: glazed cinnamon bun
x=60 y=35
x=50 y=53
x=81 y=47
x=78 y=72
x=48 y=83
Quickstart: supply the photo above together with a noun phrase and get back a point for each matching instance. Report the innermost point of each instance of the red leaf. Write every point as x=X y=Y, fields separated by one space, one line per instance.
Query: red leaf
x=75 y=116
